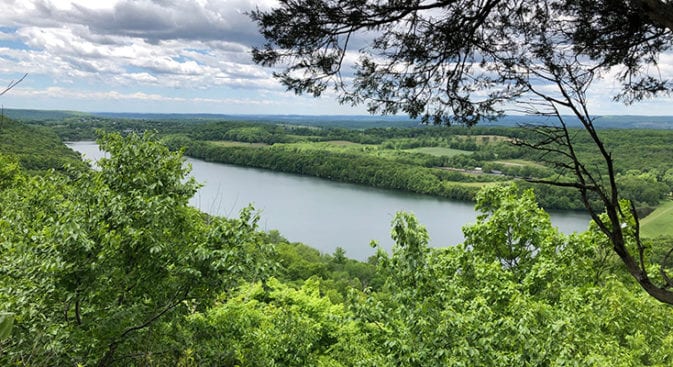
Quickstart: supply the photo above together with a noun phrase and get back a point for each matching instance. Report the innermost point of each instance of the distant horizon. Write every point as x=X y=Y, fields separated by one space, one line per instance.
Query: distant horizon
x=400 y=116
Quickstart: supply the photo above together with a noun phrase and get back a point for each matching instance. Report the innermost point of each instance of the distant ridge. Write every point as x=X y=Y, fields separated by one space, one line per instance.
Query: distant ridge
x=606 y=121
x=366 y=121
x=346 y=121
x=41 y=115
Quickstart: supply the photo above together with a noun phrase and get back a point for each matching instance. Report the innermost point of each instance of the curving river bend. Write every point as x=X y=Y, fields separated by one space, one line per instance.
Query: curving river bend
x=326 y=214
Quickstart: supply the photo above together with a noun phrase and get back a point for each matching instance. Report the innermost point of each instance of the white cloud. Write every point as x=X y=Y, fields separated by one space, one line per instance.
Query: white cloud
x=174 y=43
x=197 y=47
x=60 y=93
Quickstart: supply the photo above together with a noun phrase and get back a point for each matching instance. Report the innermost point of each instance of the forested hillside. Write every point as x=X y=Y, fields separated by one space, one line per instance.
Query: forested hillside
x=34 y=147
x=112 y=268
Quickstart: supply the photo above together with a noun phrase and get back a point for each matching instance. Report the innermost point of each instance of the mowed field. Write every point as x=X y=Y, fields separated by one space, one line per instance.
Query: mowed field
x=659 y=222
x=230 y=143
x=439 y=151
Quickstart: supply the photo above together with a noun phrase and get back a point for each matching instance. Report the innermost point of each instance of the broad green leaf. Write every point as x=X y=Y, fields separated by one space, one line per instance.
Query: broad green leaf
x=6 y=323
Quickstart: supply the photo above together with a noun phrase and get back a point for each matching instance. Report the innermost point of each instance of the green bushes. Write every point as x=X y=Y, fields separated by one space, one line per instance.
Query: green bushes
x=97 y=265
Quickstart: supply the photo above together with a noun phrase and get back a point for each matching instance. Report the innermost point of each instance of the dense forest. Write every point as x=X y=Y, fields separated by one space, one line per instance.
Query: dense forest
x=111 y=267
x=34 y=147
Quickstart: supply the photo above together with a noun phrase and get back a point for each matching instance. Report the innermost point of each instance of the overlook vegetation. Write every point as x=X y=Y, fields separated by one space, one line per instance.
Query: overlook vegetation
x=112 y=268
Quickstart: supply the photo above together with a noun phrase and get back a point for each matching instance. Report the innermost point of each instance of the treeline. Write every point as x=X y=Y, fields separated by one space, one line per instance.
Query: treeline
x=359 y=169
x=406 y=174
x=641 y=158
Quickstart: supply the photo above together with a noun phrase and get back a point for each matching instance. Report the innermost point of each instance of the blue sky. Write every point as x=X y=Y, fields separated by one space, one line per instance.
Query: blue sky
x=169 y=56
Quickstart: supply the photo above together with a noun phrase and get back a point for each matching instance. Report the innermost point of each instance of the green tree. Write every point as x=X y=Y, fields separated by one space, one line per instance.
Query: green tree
x=456 y=60
x=339 y=255
x=463 y=60
x=668 y=179
x=279 y=326
x=97 y=265
x=642 y=188
x=10 y=172
x=510 y=228
x=465 y=306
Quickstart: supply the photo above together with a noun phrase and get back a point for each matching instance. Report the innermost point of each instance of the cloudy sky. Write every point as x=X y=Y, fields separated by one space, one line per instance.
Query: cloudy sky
x=166 y=56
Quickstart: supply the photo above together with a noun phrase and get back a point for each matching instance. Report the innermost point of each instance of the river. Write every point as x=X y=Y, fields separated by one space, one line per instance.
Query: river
x=326 y=214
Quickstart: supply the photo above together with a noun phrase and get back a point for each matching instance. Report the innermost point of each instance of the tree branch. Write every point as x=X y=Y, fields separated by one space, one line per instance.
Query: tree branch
x=660 y=12
x=13 y=84
x=108 y=358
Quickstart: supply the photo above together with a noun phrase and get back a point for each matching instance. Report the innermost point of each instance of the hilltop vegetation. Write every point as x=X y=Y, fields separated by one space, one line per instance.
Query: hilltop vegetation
x=112 y=267
x=43 y=115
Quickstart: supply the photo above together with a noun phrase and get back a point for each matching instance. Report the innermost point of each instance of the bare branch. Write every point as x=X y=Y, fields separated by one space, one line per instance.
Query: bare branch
x=13 y=84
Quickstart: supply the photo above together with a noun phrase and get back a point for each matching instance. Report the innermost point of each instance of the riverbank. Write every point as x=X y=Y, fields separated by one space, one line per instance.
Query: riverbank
x=397 y=164
x=326 y=214
x=443 y=162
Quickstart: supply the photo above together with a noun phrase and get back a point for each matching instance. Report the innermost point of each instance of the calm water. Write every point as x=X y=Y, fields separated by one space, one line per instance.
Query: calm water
x=326 y=214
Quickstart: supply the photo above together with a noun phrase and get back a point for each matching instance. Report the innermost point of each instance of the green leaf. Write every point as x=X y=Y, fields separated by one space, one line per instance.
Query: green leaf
x=6 y=323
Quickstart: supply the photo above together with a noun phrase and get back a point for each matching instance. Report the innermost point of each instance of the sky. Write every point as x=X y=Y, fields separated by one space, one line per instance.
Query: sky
x=169 y=56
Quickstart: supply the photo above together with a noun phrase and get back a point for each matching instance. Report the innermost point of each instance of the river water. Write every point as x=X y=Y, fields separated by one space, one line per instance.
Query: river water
x=326 y=214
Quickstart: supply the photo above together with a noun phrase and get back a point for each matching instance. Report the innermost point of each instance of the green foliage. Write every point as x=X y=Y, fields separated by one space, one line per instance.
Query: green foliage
x=471 y=305
x=510 y=228
x=6 y=322
x=95 y=265
x=10 y=172
x=274 y=325
x=642 y=188
x=249 y=135
x=176 y=142
x=35 y=148
x=338 y=274
x=299 y=262
x=112 y=267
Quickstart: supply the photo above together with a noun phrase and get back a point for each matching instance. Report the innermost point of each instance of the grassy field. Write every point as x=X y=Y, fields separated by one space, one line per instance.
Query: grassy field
x=229 y=143
x=660 y=222
x=342 y=143
x=518 y=162
x=439 y=151
x=340 y=146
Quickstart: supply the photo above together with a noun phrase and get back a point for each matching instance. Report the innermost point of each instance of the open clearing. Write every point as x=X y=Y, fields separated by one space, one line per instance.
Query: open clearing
x=229 y=143
x=439 y=151
x=658 y=223
x=518 y=163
